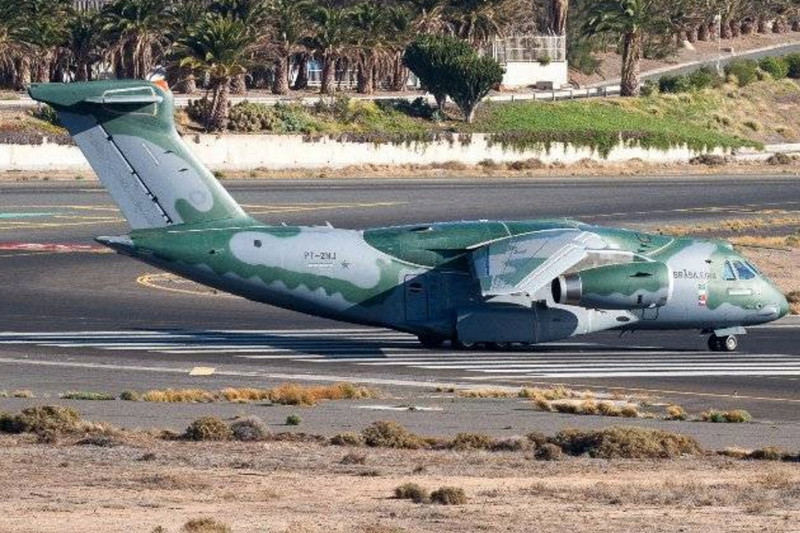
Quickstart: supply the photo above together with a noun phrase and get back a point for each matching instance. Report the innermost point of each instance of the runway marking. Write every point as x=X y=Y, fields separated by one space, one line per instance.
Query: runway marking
x=157 y=281
x=373 y=348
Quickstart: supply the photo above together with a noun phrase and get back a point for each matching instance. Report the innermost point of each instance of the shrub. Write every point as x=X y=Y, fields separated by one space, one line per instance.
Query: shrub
x=704 y=78
x=537 y=438
x=793 y=64
x=178 y=396
x=449 y=496
x=548 y=452
x=419 y=108
x=744 y=71
x=780 y=159
x=208 y=428
x=354 y=459
x=47 y=114
x=92 y=396
x=472 y=441
x=676 y=412
x=469 y=79
x=347 y=439
x=129 y=396
x=737 y=416
x=293 y=420
x=11 y=423
x=768 y=453
x=21 y=394
x=50 y=419
x=626 y=443
x=709 y=160
x=199 y=110
x=674 y=84
x=205 y=525
x=629 y=411
x=775 y=67
x=649 y=88
x=511 y=444
x=413 y=492
x=383 y=434
x=608 y=409
x=249 y=429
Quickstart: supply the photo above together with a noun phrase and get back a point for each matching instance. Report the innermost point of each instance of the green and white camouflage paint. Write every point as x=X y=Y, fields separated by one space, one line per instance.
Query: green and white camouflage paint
x=492 y=282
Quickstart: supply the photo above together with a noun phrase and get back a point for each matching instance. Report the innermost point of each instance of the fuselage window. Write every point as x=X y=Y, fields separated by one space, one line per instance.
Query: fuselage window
x=744 y=272
x=727 y=273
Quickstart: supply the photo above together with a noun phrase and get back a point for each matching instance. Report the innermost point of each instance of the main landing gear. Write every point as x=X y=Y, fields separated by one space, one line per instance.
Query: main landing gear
x=725 y=343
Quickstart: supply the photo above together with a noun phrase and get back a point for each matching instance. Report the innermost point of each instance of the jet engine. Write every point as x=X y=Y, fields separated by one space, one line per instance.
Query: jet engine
x=638 y=285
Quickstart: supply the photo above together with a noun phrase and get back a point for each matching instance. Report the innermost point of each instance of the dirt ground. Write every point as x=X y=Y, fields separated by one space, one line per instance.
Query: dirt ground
x=290 y=487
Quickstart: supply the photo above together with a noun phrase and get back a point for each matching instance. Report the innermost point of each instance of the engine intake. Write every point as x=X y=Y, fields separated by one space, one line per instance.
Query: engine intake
x=617 y=287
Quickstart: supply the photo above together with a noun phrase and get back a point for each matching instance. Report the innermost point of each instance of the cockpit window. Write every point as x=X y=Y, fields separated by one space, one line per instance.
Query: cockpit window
x=743 y=271
x=752 y=267
x=727 y=273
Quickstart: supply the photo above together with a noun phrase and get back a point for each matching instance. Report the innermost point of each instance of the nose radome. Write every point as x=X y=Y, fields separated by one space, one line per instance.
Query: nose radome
x=784 y=306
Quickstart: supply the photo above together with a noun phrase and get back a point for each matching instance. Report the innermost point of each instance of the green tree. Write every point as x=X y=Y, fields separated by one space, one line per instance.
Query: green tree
x=83 y=43
x=41 y=26
x=136 y=31
x=288 y=25
x=630 y=21
x=183 y=16
x=428 y=56
x=329 y=38
x=480 y=21
x=219 y=47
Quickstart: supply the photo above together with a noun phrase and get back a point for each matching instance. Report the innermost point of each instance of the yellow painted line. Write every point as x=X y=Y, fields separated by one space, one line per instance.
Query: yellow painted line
x=151 y=281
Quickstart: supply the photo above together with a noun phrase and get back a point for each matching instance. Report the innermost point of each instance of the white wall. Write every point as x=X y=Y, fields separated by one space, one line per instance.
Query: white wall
x=248 y=152
x=527 y=74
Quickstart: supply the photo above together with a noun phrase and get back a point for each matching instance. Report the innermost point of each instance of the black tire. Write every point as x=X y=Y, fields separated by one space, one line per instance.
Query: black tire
x=464 y=346
x=430 y=342
x=728 y=344
x=713 y=343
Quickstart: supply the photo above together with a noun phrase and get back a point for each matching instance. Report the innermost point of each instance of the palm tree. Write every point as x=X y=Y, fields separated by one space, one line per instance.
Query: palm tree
x=41 y=25
x=136 y=32
x=83 y=43
x=368 y=23
x=219 y=47
x=12 y=50
x=328 y=39
x=480 y=21
x=287 y=22
x=629 y=20
x=183 y=17
x=253 y=14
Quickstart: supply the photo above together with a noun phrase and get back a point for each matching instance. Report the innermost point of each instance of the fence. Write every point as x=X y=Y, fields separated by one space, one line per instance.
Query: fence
x=530 y=48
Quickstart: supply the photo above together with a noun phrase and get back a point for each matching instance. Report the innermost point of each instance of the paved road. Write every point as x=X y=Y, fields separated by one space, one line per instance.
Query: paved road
x=75 y=317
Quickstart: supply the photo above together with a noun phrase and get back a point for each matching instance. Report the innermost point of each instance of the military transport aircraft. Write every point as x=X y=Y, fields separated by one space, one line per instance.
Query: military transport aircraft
x=490 y=283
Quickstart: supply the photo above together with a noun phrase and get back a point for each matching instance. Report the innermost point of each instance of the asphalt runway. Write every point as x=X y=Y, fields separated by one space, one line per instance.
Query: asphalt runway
x=76 y=317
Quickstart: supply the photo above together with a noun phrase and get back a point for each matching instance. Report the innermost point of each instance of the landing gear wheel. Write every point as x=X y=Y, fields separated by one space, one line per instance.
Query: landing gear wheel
x=728 y=343
x=464 y=346
x=430 y=341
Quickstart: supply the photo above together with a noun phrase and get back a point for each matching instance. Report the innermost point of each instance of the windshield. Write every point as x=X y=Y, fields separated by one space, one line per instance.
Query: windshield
x=743 y=271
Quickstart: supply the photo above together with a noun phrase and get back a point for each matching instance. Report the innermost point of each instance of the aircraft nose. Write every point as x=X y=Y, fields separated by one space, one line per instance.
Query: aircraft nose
x=784 y=307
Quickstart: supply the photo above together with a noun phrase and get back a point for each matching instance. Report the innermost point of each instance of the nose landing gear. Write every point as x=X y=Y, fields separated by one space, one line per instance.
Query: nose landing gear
x=724 y=343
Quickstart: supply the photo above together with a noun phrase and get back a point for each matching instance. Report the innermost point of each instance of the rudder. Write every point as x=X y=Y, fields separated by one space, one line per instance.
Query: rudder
x=126 y=130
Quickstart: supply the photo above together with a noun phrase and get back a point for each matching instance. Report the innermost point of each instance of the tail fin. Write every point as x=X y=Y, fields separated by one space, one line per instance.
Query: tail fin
x=127 y=132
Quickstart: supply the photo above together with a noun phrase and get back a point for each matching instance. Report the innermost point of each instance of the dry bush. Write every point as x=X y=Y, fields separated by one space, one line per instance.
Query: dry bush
x=413 y=492
x=383 y=434
x=208 y=428
x=347 y=439
x=129 y=396
x=449 y=496
x=170 y=482
x=244 y=394
x=21 y=394
x=205 y=525
x=511 y=444
x=629 y=411
x=88 y=396
x=178 y=396
x=293 y=420
x=527 y=164
x=676 y=412
x=472 y=441
x=768 y=453
x=737 y=416
x=626 y=443
x=294 y=394
x=101 y=441
x=776 y=479
x=354 y=459
x=548 y=452
x=49 y=419
x=735 y=453
x=537 y=438
x=608 y=409
x=554 y=393
x=249 y=429
x=485 y=393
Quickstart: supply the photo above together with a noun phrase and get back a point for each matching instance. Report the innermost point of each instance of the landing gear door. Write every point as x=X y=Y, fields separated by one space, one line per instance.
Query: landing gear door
x=420 y=295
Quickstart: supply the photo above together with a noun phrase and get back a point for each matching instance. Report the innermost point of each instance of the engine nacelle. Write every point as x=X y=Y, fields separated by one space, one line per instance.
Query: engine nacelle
x=620 y=287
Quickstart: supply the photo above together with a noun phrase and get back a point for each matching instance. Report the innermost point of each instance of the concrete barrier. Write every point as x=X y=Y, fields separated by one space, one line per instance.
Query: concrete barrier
x=248 y=152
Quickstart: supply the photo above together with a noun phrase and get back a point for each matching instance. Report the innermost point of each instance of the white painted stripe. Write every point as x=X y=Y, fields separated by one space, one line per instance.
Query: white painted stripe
x=573 y=364
x=634 y=371
x=755 y=372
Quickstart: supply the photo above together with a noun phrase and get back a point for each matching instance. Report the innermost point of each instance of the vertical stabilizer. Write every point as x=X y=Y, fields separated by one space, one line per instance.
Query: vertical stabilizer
x=126 y=130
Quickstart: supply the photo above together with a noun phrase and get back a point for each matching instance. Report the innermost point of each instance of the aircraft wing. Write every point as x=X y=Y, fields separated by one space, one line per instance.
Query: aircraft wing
x=527 y=263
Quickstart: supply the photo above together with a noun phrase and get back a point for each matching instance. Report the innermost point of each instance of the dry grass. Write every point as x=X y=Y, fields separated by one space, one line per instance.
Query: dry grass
x=486 y=393
x=412 y=491
x=737 y=416
x=21 y=394
x=205 y=525
x=384 y=434
x=449 y=496
x=627 y=443
x=284 y=394
x=676 y=412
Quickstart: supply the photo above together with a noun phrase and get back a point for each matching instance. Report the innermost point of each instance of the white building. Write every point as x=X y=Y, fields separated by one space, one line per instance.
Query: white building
x=533 y=60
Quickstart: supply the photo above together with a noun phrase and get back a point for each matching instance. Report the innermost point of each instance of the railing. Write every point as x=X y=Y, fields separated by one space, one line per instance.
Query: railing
x=530 y=49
